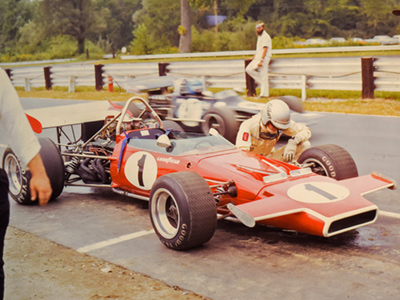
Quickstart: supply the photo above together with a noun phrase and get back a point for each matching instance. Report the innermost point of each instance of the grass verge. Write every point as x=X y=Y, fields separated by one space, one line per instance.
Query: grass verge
x=385 y=103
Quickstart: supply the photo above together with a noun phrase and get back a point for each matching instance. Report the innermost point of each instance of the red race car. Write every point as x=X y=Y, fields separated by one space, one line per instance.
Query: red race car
x=192 y=180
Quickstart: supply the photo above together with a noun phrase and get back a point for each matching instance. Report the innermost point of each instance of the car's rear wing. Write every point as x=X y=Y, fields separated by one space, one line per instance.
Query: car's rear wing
x=65 y=115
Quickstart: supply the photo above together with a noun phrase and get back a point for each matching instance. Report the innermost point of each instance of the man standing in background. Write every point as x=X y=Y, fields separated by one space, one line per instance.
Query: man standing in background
x=258 y=68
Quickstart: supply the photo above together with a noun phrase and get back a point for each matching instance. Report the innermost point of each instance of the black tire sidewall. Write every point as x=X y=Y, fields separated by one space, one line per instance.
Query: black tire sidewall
x=337 y=162
x=181 y=237
x=225 y=117
x=24 y=194
x=169 y=124
x=54 y=167
x=192 y=231
x=53 y=164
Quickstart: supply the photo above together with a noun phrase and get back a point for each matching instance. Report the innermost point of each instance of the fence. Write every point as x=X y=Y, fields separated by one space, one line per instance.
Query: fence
x=337 y=73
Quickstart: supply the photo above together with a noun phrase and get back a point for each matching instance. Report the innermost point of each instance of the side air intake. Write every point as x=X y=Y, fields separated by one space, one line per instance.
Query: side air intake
x=353 y=221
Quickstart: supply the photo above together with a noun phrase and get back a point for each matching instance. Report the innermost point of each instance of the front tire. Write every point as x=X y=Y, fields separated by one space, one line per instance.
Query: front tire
x=331 y=161
x=19 y=177
x=182 y=210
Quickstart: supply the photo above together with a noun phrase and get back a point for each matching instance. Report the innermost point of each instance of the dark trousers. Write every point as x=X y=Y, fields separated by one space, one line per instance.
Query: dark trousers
x=4 y=219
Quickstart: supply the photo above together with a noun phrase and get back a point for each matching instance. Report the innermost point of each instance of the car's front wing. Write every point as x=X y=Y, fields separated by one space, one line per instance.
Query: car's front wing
x=316 y=205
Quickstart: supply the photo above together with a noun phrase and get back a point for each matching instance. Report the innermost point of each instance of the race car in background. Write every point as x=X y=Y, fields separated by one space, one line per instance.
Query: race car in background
x=196 y=109
x=193 y=179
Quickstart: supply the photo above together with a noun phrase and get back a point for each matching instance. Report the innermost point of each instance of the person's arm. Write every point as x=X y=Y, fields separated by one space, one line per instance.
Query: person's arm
x=243 y=138
x=16 y=129
x=260 y=63
x=40 y=186
x=299 y=133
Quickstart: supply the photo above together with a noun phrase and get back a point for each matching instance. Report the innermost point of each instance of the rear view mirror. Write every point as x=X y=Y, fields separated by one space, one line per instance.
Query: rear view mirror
x=163 y=141
x=213 y=132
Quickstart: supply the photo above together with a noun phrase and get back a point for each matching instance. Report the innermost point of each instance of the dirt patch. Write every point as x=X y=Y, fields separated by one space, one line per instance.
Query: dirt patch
x=39 y=269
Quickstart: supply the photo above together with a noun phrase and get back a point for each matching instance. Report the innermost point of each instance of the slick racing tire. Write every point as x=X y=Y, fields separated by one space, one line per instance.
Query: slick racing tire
x=182 y=210
x=293 y=102
x=223 y=120
x=330 y=160
x=168 y=124
x=19 y=177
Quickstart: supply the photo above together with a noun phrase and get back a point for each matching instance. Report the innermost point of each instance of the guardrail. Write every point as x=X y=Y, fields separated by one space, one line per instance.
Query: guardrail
x=335 y=73
x=247 y=53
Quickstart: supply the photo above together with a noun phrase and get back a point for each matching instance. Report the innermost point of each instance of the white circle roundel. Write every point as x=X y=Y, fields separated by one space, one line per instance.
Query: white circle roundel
x=141 y=170
x=318 y=192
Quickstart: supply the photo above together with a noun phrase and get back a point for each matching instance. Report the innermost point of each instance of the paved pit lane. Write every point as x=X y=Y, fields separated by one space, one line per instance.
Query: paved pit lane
x=237 y=263
x=241 y=262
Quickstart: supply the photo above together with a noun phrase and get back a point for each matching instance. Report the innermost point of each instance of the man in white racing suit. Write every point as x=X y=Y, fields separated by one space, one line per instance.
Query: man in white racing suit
x=261 y=133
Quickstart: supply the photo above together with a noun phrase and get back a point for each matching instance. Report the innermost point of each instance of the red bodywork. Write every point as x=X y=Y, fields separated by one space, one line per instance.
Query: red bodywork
x=269 y=191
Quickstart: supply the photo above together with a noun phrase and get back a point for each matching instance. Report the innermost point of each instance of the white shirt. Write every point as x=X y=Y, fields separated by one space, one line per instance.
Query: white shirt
x=263 y=40
x=14 y=125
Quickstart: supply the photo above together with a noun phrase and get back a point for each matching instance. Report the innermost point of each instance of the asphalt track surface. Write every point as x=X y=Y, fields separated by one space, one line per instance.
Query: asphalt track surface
x=239 y=262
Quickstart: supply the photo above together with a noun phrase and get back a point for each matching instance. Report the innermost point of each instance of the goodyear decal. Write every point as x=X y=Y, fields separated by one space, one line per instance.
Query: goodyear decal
x=168 y=160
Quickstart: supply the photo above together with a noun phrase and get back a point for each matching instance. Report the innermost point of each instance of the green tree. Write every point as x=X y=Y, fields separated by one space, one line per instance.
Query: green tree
x=77 y=18
x=143 y=43
x=32 y=39
x=118 y=17
x=161 y=18
x=234 y=10
x=378 y=17
x=14 y=14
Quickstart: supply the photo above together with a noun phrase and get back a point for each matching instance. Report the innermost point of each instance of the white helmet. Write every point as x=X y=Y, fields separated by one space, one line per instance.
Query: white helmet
x=278 y=113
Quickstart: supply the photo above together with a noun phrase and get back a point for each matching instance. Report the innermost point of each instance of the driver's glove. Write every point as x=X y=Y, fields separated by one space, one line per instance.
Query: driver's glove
x=290 y=150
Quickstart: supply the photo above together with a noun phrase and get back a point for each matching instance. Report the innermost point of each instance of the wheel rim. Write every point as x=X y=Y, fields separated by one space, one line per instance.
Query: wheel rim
x=165 y=213
x=14 y=174
x=316 y=166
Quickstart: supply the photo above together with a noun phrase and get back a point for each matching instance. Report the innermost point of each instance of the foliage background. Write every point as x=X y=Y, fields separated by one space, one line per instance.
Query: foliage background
x=47 y=29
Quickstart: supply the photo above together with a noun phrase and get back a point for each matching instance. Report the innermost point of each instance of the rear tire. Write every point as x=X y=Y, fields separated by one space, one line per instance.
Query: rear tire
x=330 y=160
x=19 y=178
x=182 y=210
x=168 y=124
x=223 y=120
x=293 y=102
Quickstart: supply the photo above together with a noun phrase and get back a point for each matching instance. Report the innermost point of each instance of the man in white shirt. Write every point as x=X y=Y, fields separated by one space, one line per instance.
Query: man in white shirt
x=258 y=68
x=14 y=126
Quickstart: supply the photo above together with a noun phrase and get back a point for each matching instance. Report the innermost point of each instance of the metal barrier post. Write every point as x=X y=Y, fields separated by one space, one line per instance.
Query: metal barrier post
x=162 y=69
x=47 y=77
x=250 y=83
x=367 y=74
x=98 y=73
